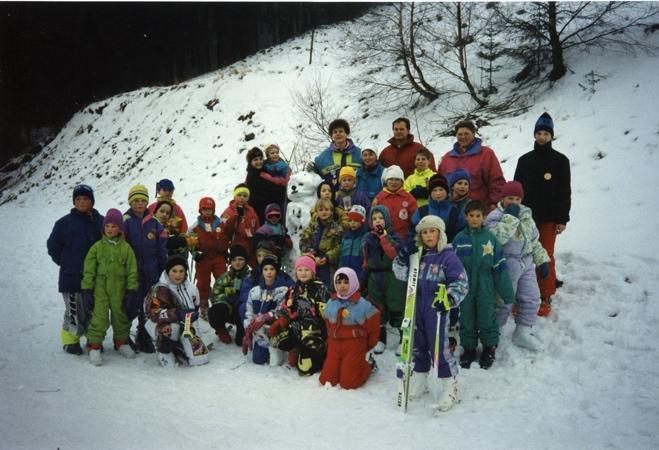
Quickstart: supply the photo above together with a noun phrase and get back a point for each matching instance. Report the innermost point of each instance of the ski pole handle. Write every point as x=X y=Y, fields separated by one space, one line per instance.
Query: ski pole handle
x=441 y=298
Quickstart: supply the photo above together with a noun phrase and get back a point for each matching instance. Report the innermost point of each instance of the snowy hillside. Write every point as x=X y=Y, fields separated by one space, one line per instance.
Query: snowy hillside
x=595 y=385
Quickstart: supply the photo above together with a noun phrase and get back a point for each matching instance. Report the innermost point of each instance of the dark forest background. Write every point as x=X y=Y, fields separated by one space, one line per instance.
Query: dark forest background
x=55 y=58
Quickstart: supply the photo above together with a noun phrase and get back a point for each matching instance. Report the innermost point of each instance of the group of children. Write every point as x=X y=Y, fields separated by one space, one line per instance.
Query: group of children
x=333 y=315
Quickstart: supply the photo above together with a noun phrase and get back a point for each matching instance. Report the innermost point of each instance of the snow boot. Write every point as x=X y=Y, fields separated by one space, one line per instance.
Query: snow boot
x=487 y=357
x=125 y=351
x=558 y=284
x=371 y=362
x=276 y=356
x=223 y=335
x=73 y=349
x=418 y=385
x=523 y=337
x=453 y=337
x=449 y=395
x=95 y=356
x=166 y=360
x=545 y=307
x=468 y=357
x=382 y=343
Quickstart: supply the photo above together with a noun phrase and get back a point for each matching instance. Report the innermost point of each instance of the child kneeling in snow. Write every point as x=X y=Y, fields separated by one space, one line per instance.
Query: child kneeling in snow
x=109 y=285
x=261 y=301
x=170 y=300
x=353 y=328
x=438 y=265
x=299 y=328
x=512 y=224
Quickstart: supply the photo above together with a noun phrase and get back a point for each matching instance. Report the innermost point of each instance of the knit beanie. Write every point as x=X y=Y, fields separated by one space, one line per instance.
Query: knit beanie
x=270 y=260
x=512 y=188
x=347 y=171
x=544 y=123
x=357 y=213
x=176 y=260
x=438 y=180
x=254 y=152
x=457 y=175
x=306 y=261
x=165 y=184
x=392 y=172
x=272 y=209
x=370 y=149
x=138 y=192
x=83 y=190
x=237 y=251
x=432 y=222
x=353 y=281
x=114 y=217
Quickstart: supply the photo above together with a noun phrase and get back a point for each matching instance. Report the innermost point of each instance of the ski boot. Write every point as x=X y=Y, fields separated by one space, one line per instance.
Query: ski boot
x=468 y=356
x=487 y=357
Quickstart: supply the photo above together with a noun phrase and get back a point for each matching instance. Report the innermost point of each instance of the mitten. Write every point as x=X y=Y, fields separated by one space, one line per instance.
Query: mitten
x=199 y=256
x=131 y=304
x=277 y=326
x=257 y=323
x=512 y=209
x=88 y=299
x=543 y=270
x=240 y=210
x=406 y=249
x=378 y=230
x=310 y=167
x=420 y=192
x=247 y=343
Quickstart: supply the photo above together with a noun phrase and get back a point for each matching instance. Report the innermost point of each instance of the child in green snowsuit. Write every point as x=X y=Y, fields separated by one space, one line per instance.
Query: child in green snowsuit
x=110 y=283
x=483 y=259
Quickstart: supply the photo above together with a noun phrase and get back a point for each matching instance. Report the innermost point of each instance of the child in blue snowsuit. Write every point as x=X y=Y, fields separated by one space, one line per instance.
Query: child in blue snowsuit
x=351 y=244
x=68 y=244
x=148 y=238
x=438 y=264
x=369 y=174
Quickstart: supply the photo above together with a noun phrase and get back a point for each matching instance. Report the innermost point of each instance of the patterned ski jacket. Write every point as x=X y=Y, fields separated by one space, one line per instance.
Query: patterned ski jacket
x=379 y=251
x=165 y=298
x=351 y=249
x=226 y=289
x=517 y=235
x=69 y=241
x=322 y=238
x=329 y=162
x=303 y=307
x=482 y=257
x=441 y=267
x=263 y=299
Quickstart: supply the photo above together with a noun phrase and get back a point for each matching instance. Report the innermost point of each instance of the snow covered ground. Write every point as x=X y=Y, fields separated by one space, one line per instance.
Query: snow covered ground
x=596 y=384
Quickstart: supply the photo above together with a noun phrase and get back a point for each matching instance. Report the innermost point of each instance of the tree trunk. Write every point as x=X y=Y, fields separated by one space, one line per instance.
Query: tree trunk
x=558 y=69
x=462 y=53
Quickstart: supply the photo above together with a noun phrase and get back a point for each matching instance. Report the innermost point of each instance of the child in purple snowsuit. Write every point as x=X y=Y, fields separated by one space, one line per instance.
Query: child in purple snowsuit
x=148 y=238
x=439 y=265
x=512 y=223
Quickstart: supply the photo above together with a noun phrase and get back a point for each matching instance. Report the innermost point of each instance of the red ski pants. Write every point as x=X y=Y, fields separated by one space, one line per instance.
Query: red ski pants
x=548 y=240
x=345 y=363
x=215 y=265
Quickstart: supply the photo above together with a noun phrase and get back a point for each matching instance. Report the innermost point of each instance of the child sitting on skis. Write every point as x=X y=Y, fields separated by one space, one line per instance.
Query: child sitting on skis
x=109 y=286
x=438 y=265
x=512 y=223
x=299 y=328
x=353 y=325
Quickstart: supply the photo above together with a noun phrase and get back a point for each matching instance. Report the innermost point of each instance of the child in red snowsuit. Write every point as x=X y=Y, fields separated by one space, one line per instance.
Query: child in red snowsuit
x=353 y=328
x=210 y=257
x=239 y=222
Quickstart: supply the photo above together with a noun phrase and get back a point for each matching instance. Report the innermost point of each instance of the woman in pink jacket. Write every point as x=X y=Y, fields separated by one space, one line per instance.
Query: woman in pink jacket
x=481 y=162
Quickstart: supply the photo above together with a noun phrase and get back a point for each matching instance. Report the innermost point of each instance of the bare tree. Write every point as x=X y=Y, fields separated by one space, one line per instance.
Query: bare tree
x=544 y=31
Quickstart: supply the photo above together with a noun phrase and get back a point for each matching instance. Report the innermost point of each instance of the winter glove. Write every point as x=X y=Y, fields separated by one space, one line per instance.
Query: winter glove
x=131 y=304
x=543 y=270
x=199 y=256
x=247 y=343
x=277 y=326
x=378 y=230
x=512 y=209
x=88 y=299
x=420 y=192
x=310 y=167
x=406 y=249
x=241 y=211
x=180 y=314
